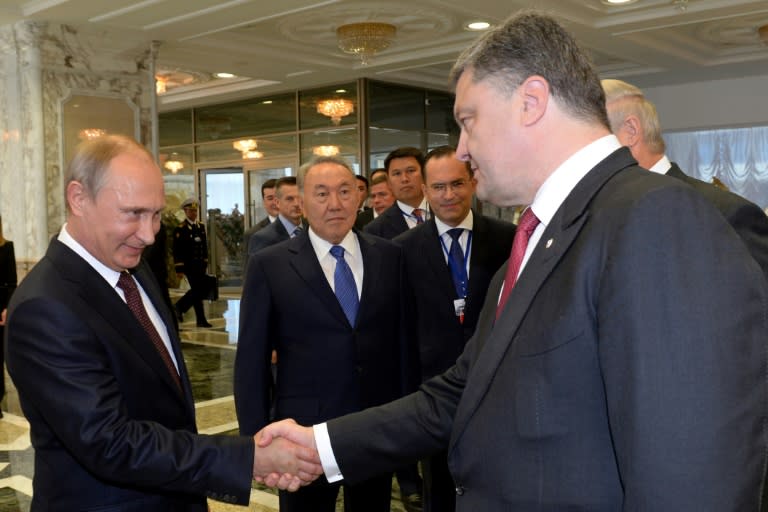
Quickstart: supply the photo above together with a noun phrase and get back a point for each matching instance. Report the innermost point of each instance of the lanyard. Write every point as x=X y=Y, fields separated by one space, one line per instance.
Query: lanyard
x=413 y=217
x=466 y=251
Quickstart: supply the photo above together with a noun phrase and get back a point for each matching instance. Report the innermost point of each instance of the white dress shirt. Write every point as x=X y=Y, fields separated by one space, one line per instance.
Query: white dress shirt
x=352 y=256
x=464 y=239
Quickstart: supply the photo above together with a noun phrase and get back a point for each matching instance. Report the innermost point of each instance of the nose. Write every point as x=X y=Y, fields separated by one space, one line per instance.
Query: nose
x=148 y=228
x=462 y=153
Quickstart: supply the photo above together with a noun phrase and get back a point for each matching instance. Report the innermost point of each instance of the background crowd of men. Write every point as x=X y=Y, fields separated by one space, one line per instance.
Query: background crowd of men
x=607 y=353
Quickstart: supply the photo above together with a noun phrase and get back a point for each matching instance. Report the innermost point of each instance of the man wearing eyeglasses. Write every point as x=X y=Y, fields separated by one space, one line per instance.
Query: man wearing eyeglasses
x=447 y=283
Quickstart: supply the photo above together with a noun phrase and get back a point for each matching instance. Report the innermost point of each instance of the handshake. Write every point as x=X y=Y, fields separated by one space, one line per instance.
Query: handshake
x=286 y=456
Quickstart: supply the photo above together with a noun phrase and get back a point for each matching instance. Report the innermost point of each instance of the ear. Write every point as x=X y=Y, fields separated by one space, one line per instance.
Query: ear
x=632 y=131
x=423 y=189
x=535 y=93
x=76 y=197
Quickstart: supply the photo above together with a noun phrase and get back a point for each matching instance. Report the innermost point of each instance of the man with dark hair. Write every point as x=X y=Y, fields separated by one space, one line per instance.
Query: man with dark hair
x=636 y=124
x=362 y=187
x=328 y=301
x=288 y=223
x=619 y=361
x=269 y=200
x=97 y=362
x=381 y=199
x=403 y=167
x=449 y=262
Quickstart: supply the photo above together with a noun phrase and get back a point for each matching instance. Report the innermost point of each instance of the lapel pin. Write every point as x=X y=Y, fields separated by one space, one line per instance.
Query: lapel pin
x=550 y=242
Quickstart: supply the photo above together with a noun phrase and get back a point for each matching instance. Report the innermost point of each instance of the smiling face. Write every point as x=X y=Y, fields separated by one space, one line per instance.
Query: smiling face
x=330 y=200
x=448 y=188
x=493 y=141
x=122 y=219
x=405 y=180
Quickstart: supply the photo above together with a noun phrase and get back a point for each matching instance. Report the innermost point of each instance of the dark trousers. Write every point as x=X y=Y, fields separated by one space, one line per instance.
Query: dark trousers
x=439 y=489
x=194 y=296
x=409 y=480
x=369 y=496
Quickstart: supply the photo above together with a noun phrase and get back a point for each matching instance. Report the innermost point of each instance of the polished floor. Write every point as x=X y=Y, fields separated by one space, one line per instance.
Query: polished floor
x=209 y=355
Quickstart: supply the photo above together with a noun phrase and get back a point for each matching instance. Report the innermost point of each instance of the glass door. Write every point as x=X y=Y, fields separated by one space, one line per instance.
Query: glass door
x=222 y=196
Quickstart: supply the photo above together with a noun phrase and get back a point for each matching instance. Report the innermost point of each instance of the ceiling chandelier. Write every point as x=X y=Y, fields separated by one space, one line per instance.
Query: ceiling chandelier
x=365 y=39
x=326 y=150
x=252 y=155
x=173 y=164
x=91 y=133
x=335 y=109
x=245 y=145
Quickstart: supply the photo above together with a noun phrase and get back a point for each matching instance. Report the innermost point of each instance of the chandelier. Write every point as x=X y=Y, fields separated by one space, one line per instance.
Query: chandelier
x=252 y=155
x=335 y=109
x=173 y=164
x=91 y=133
x=365 y=39
x=326 y=150
x=245 y=145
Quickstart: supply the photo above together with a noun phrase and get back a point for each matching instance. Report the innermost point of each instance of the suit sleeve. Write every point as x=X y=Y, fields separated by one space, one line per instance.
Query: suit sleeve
x=751 y=224
x=683 y=369
x=68 y=381
x=253 y=377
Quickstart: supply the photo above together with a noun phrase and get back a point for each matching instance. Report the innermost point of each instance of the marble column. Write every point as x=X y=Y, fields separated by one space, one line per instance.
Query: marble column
x=43 y=66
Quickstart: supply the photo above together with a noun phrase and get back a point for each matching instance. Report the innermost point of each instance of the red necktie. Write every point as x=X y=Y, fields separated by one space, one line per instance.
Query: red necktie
x=525 y=228
x=133 y=299
x=419 y=214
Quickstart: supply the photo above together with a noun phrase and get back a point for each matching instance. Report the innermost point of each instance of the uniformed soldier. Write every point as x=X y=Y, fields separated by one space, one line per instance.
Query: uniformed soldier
x=190 y=254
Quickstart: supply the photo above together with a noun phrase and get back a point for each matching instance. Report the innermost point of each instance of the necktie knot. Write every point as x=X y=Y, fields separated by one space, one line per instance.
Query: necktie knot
x=126 y=282
x=455 y=233
x=419 y=214
x=525 y=228
x=528 y=222
x=297 y=231
x=337 y=252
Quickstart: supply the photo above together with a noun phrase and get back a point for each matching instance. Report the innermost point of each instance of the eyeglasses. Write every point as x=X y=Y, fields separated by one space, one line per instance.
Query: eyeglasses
x=441 y=188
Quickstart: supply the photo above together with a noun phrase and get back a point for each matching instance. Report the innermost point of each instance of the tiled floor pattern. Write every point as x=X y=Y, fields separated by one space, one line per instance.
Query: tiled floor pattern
x=209 y=355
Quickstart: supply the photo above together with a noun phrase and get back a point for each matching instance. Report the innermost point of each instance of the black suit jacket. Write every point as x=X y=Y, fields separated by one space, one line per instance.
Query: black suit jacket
x=364 y=218
x=326 y=367
x=247 y=238
x=745 y=217
x=270 y=235
x=440 y=335
x=389 y=224
x=110 y=428
x=626 y=372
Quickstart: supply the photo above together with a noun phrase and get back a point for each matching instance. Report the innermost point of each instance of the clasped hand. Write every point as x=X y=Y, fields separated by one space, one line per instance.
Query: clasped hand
x=286 y=456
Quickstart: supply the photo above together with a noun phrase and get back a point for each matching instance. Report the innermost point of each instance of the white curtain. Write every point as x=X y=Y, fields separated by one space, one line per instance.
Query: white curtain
x=736 y=156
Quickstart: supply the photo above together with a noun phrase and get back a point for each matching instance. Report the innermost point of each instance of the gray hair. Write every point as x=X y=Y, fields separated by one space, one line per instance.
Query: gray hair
x=92 y=158
x=626 y=100
x=306 y=167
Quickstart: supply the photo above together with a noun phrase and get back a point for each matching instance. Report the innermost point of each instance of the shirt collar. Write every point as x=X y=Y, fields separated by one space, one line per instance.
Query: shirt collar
x=323 y=247
x=564 y=179
x=662 y=166
x=287 y=224
x=111 y=276
x=408 y=209
x=467 y=224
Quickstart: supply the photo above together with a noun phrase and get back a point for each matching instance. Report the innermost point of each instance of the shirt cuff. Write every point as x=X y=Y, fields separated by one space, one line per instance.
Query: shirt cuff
x=327 y=459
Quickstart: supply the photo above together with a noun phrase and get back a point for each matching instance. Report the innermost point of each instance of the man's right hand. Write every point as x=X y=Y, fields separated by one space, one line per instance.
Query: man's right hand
x=308 y=460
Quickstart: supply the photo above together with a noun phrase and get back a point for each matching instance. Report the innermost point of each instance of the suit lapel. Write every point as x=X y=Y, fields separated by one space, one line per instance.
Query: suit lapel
x=107 y=303
x=304 y=261
x=371 y=264
x=433 y=251
x=478 y=260
x=557 y=238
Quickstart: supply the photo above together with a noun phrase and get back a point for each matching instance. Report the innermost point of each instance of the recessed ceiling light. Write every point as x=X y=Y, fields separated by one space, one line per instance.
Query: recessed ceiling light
x=224 y=75
x=478 y=25
x=618 y=2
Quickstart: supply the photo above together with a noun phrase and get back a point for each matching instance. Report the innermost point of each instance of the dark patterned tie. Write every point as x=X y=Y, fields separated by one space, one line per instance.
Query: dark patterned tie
x=344 y=284
x=525 y=228
x=456 y=263
x=133 y=299
x=419 y=214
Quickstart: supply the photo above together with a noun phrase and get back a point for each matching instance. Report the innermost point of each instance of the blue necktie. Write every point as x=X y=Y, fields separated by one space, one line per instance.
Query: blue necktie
x=456 y=263
x=344 y=283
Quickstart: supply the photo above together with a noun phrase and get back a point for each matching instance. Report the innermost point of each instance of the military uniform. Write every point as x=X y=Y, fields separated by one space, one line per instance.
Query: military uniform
x=190 y=254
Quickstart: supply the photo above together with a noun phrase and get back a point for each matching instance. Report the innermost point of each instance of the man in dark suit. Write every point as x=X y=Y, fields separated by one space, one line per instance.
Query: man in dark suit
x=362 y=187
x=635 y=121
x=269 y=200
x=446 y=285
x=619 y=360
x=97 y=362
x=288 y=223
x=190 y=256
x=381 y=199
x=403 y=167
x=331 y=359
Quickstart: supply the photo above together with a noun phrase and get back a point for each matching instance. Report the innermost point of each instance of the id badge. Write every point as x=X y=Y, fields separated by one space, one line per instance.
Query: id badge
x=458 y=307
